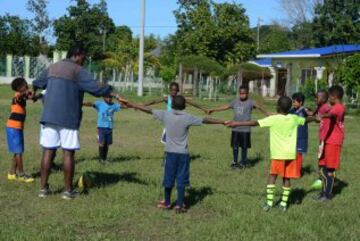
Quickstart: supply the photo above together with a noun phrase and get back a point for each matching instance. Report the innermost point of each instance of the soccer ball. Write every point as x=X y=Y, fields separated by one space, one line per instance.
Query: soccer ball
x=85 y=182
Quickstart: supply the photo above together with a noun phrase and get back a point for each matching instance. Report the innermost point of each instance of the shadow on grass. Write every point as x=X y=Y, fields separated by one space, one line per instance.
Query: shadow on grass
x=251 y=162
x=339 y=186
x=307 y=170
x=101 y=179
x=194 y=157
x=297 y=196
x=123 y=158
x=196 y=195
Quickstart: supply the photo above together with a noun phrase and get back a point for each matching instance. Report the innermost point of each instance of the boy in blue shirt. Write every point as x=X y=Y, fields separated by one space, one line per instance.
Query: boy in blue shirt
x=298 y=109
x=106 y=110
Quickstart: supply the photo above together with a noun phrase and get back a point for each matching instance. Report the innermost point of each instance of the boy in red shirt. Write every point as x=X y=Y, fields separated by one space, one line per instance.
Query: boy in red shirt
x=323 y=107
x=333 y=141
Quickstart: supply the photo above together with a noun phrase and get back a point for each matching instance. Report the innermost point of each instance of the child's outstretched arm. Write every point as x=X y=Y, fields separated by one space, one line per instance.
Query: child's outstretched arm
x=139 y=107
x=193 y=104
x=88 y=104
x=218 y=109
x=262 y=109
x=208 y=120
x=241 y=123
x=154 y=102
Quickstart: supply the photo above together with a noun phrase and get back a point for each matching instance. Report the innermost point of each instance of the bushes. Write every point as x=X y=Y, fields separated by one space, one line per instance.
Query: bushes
x=309 y=88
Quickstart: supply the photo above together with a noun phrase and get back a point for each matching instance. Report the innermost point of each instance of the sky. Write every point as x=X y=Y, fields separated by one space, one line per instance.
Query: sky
x=159 y=13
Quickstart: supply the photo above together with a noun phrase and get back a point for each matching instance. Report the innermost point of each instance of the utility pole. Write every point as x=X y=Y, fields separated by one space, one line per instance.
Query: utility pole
x=141 y=51
x=258 y=33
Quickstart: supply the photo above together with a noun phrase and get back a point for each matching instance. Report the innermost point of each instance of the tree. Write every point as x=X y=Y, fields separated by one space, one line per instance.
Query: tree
x=217 y=31
x=41 y=18
x=16 y=36
x=337 y=22
x=274 y=38
x=299 y=11
x=86 y=24
x=348 y=73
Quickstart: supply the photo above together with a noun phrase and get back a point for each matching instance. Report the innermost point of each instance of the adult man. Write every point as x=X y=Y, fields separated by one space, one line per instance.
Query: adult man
x=65 y=82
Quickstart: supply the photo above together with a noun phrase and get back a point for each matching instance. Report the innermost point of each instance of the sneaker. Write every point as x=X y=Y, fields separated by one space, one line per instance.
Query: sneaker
x=317 y=185
x=103 y=162
x=11 y=177
x=234 y=165
x=69 y=195
x=44 y=192
x=25 y=178
x=266 y=207
x=282 y=208
x=180 y=209
x=323 y=198
x=161 y=205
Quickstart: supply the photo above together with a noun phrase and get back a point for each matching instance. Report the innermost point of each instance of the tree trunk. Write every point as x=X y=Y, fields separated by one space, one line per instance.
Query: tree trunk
x=181 y=79
x=195 y=82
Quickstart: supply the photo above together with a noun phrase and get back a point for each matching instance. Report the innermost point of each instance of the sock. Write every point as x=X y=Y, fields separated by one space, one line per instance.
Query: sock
x=235 y=154
x=106 y=149
x=180 y=196
x=323 y=177
x=329 y=183
x=285 y=196
x=270 y=194
x=168 y=195
x=243 y=156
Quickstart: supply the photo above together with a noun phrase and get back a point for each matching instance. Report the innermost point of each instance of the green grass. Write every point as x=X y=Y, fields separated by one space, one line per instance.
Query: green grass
x=225 y=204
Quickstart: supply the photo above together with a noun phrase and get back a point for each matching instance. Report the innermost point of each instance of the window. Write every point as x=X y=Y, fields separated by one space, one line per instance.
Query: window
x=307 y=74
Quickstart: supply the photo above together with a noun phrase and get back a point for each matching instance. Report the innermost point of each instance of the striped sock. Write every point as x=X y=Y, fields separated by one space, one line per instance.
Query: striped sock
x=270 y=194
x=285 y=196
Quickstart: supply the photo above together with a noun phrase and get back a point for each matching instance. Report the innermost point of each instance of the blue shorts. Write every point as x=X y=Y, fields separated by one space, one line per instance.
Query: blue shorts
x=105 y=136
x=177 y=167
x=15 y=140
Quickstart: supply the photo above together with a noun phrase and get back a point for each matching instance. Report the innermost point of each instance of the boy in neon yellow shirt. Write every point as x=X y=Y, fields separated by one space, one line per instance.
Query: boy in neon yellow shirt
x=283 y=135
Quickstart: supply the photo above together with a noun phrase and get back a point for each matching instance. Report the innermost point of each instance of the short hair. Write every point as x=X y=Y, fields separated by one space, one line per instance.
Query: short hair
x=244 y=87
x=75 y=50
x=174 y=84
x=17 y=83
x=299 y=97
x=284 y=104
x=336 y=90
x=326 y=95
x=178 y=102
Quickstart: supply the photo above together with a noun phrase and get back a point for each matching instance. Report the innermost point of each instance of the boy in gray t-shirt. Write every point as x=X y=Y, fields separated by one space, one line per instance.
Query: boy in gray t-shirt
x=177 y=160
x=240 y=136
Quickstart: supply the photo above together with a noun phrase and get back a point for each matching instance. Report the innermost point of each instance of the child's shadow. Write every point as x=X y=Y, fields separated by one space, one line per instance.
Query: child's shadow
x=196 y=195
x=251 y=162
x=123 y=158
x=102 y=179
x=339 y=185
x=297 y=196
x=307 y=170
x=194 y=157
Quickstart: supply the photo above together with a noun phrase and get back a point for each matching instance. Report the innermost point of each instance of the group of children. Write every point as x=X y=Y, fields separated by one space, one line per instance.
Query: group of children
x=288 y=137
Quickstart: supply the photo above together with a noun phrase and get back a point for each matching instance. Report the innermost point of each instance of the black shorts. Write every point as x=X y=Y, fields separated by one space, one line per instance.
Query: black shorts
x=240 y=139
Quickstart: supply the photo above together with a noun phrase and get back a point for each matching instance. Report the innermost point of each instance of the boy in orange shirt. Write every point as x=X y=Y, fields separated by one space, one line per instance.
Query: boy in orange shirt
x=283 y=135
x=15 y=130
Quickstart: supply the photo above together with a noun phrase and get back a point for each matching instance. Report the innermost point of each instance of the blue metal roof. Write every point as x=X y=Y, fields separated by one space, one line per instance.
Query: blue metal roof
x=263 y=62
x=315 y=52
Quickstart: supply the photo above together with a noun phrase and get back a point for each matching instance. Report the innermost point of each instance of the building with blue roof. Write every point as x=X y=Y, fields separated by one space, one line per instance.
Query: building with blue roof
x=291 y=69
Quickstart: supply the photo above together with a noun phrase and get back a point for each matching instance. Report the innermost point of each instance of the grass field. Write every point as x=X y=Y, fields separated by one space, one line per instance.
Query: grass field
x=224 y=204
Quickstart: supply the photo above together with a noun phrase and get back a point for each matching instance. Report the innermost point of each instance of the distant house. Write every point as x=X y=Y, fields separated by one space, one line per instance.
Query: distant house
x=291 y=69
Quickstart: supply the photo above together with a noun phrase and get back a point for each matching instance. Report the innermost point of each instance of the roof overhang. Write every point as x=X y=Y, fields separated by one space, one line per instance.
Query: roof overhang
x=285 y=56
x=260 y=65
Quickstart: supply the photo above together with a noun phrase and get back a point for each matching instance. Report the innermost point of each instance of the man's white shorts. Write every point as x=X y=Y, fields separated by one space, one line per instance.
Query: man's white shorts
x=54 y=136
